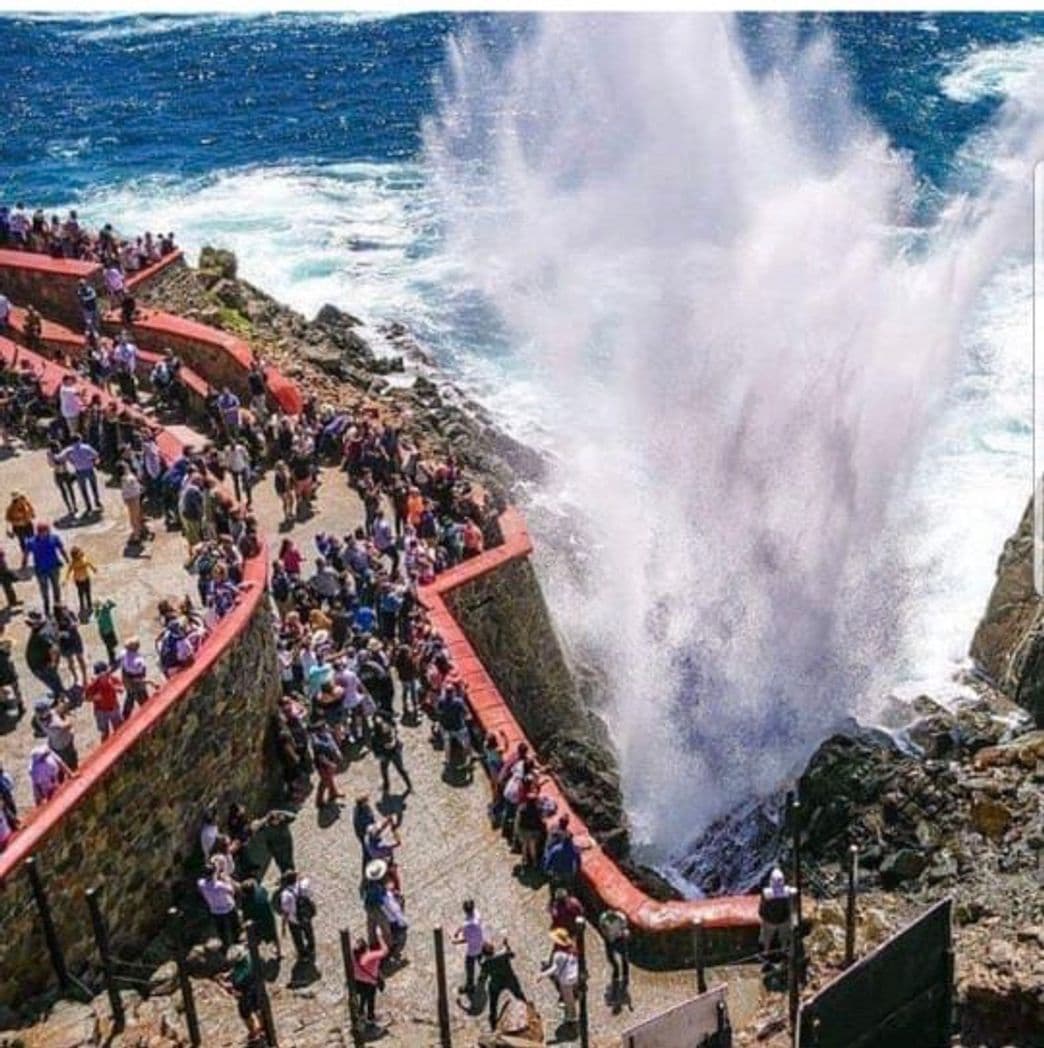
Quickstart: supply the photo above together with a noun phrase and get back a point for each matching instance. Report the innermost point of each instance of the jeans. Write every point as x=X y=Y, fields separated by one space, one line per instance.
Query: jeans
x=83 y=592
x=304 y=937
x=496 y=989
x=67 y=489
x=50 y=583
x=614 y=950
x=50 y=677
x=88 y=479
x=395 y=760
x=367 y=999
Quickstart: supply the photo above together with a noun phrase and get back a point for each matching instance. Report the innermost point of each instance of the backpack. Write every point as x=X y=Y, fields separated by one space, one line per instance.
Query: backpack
x=305 y=906
x=168 y=651
x=192 y=504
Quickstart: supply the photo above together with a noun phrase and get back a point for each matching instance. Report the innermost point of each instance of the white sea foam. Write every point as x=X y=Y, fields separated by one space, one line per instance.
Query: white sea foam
x=744 y=354
x=1004 y=70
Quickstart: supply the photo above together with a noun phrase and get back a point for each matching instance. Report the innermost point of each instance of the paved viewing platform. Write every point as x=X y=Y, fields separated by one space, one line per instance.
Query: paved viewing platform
x=135 y=577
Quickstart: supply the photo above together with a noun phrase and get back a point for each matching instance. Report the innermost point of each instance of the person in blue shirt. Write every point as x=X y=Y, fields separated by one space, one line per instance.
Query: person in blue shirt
x=562 y=861
x=364 y=619
x=48 y=555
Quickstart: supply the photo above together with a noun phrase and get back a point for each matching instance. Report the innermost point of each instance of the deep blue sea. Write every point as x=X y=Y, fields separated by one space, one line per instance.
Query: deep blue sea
x=300 y=142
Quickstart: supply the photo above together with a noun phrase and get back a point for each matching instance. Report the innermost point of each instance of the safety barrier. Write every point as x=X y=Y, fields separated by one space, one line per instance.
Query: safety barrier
x=729 y=919
x=223 y=358
x=57 y=339
x=51 y=283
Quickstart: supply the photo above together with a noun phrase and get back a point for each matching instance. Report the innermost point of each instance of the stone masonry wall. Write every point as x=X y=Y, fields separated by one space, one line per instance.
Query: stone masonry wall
x=49 y=284
x=131 y=834
x=507 y=621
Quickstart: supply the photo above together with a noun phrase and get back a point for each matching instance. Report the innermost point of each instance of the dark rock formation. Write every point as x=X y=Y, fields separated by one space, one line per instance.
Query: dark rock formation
x=1009 y=642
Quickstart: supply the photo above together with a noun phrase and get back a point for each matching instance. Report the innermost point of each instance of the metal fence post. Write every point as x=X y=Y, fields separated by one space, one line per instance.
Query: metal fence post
x=54 y=948
x=850 y=908
x=581 y=949
x=700 y=934
x=443 y=1000
x=262 y=990
x=793 y=980
x=101 y=937
x=353 y=992
x=185 y=984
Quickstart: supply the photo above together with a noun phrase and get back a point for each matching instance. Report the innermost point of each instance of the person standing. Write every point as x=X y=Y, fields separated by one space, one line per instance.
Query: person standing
x=498 y=974
x=471 y=936
x=41 y=653
x=298 y=910
x=257 y=907
x=47 y=771
x=241 y=983
x=79 y=570
x=48 y=553
x=774 y=908
x=220 y=896
x=106 y=623
x=20 y=517
x=9 y=673
x=103 y=693
x=617 y=938
x=70 y=405
x=239 y=466
x=64 y=477
x=58 y=728
x=366 y=967
x=387 y=748
x=83 y=459
x=564 y=971
x=135 y=676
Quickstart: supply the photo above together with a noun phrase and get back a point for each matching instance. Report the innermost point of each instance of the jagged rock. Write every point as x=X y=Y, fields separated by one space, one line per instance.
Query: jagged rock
x=206 y=959
x=230 y=294
x=330 y=316
x=217 y=260
x=1009 y=641
x=1027 y=751
x=904 y=865
x=164 y=979
x=990 y=817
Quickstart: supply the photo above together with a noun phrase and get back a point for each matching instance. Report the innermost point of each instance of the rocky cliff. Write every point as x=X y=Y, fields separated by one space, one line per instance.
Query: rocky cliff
x=1009 y=642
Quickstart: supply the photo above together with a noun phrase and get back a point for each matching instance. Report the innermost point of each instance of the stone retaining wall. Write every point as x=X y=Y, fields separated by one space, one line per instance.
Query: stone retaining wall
x=497 y=586
x=48 y=283
x=129 y=822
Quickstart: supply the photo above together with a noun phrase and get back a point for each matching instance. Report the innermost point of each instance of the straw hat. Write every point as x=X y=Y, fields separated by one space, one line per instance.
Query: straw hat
x=560 y=937
x=376 y=870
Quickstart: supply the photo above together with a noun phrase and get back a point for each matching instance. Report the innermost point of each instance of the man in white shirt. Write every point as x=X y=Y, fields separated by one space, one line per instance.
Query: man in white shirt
x=298 y=909
x=125 y=358
x=471 y=935
x=135 y=673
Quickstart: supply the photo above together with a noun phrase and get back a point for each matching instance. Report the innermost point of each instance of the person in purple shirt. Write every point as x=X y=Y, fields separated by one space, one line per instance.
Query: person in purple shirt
x=48 y=555
x=228 y=405
x=83 y=458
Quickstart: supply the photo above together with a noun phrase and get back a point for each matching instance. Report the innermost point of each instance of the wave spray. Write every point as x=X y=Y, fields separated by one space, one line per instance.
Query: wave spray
x=716 y=279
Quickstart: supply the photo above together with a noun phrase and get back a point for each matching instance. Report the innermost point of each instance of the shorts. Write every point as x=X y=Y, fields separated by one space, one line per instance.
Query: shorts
x=108 y=720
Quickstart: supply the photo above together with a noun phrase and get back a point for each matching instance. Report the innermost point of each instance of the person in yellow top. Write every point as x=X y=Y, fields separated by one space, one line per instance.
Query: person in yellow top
x=79 y=570
x=20 y=516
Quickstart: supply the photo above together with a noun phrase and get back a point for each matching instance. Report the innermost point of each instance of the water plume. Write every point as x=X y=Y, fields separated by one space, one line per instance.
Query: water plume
x=717 y=278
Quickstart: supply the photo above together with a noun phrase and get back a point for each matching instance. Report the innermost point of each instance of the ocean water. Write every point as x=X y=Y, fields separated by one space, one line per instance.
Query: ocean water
x=348 y=159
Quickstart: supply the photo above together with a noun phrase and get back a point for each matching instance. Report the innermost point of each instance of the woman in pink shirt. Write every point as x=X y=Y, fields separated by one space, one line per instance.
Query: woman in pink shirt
x=291 y=558
x=366 y=963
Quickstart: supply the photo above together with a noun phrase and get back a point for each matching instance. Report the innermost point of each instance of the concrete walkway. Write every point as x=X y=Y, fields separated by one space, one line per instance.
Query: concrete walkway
x=136 y=579
x=449 y=853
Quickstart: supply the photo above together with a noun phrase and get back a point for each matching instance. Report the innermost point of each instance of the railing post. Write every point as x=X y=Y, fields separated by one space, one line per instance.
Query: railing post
x=795 y=831
x=793 y=982
x=581 y=948
x=187 y=997
x=353 y=993
x=701 y=956
x=47 y=923
x=262 y=990
x=850 y=908
x=101 y=937
x=443 y=999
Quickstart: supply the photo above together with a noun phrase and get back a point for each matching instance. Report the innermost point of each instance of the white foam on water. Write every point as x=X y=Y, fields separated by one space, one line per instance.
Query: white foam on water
x=355 y=235
x=744 y=354
x=1003 y=70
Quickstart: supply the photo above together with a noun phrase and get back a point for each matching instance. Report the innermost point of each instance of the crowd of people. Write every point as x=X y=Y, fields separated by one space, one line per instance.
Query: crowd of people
x=25 y=230
x=359 y=658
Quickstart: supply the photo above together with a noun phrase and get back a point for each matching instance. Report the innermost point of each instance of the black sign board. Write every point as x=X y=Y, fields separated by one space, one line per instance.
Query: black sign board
x=899 y=995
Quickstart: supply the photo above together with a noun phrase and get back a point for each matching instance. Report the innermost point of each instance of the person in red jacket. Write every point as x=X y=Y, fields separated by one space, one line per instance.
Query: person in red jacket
x=366 y=963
